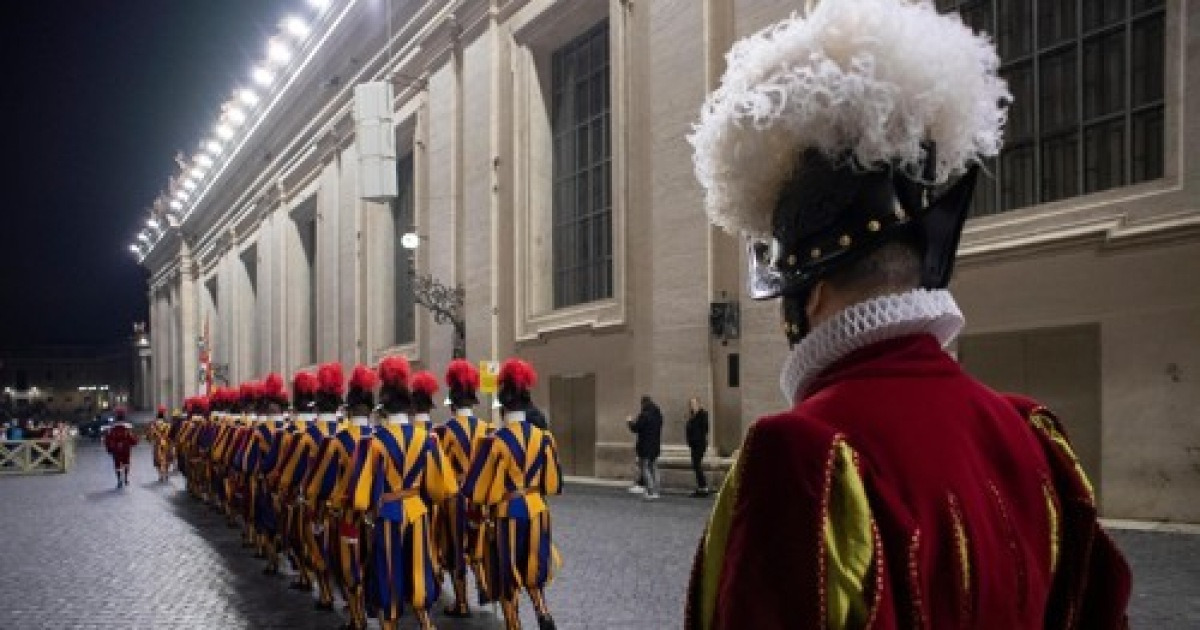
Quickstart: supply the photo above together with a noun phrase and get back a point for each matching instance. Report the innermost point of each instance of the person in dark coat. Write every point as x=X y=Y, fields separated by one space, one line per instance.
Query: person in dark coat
x=697 y=440
x=648 y=427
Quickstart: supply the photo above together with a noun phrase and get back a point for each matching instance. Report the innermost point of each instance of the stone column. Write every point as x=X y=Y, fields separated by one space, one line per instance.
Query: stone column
x=187 y=305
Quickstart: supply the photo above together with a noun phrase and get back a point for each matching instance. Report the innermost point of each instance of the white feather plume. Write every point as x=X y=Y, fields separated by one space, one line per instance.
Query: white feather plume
x=875 y=78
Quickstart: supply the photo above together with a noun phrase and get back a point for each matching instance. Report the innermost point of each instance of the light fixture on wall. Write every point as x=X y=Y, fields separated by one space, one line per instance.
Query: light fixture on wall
x=443 y=301
x=724 y=319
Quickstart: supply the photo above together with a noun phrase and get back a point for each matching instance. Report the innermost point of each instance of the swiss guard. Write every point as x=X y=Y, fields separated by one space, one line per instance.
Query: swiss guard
x=119 y=441
x=158 y=435
x=897 y=491
x=512 y=474
x=261 y=462
x=319 y=526
x=400 y=468
x=461 y=525
x=330 y=487
x=293 y=460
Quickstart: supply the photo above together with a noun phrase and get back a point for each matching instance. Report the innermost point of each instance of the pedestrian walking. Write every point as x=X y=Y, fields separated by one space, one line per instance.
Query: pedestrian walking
x=119 y=441
x=897 y=491
x=648 y=446
x=697 y=440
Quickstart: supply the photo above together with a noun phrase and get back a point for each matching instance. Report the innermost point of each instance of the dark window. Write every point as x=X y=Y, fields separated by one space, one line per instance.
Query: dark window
x=1087 y=83
x=582 y=215
x=306 y=227
x=402 y=220
x=735 y=370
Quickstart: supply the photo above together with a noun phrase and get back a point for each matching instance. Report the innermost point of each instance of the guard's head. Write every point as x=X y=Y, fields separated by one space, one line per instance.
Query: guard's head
x=360 y=396
x=515 y=384
x=837 y=146
x=462 y=379
x=394 y=373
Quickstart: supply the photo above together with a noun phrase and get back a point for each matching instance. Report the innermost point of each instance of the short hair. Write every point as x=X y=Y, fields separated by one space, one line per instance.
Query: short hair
x=894 y=267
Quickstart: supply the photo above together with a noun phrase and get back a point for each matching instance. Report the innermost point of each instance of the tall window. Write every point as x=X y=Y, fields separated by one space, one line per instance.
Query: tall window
x=1087 y=84
x=308 y=241
x=582 y=215
x=403 y=222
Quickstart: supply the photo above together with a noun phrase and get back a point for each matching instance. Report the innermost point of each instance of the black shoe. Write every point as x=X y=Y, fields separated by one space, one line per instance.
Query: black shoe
x=698 y=494
x=300 y=586
x=327 y=606
x=458 y=613
x=546 y=623
x=270 y=571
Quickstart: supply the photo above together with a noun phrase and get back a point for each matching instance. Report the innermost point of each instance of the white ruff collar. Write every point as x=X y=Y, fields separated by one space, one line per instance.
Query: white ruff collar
x=860 y=325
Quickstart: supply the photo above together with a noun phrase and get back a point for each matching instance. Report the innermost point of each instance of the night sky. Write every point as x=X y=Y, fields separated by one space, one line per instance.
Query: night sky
x=99 y=96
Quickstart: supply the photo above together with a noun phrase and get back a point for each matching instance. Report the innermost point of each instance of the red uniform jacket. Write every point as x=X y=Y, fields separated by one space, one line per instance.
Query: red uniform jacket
x=979 y=514
x=119 y=441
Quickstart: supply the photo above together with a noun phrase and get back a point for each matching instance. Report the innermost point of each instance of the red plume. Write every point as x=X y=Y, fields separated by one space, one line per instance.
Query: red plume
x=394 y=371
x=330 y=378
x=304 y=383
x=272 y=388
x=424 y=383
x=250 y=391
x=162 y=410
x=462 y=375
x=200 y=405
x=518 y=373
x=364 y=378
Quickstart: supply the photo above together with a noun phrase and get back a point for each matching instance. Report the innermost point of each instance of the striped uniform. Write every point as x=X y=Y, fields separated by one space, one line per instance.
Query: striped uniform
x=461 y=437
x=328 y=484
x=297 y=469
x=512 y=473
x=160 y=445
x=260 y=460
x=399 y=473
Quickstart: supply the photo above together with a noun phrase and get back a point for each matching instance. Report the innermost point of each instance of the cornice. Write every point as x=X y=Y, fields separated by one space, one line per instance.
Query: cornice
x=1108 y=233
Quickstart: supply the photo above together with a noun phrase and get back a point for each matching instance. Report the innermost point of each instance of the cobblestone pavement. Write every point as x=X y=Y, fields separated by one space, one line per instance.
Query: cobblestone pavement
x=77 y=553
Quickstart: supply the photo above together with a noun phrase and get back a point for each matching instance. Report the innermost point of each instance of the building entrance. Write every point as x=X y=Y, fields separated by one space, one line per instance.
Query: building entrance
x=573 y=421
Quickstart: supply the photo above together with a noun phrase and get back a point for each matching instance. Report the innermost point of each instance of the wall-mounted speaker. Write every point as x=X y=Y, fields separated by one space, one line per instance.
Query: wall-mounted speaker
x=376 y=141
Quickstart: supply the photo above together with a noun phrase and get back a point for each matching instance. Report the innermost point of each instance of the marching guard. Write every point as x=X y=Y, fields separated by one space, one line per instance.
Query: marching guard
x=398 y=474
x=158 y=435
x=461 y=524
x=263 y=457
x=321 y=394
x=329 y=486
x=512 y=474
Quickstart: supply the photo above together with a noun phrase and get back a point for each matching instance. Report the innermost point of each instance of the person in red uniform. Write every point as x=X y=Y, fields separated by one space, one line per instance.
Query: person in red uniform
x=119 y=441
x=897 y=491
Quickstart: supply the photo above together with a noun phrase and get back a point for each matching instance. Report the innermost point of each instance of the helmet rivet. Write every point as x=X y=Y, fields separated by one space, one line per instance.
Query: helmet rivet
x=872 y=226
x=815 y=253
x=791 y=260
x=844 y=241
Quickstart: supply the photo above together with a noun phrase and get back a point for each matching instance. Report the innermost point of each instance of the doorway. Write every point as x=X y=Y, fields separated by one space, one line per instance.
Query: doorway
x=572 y=416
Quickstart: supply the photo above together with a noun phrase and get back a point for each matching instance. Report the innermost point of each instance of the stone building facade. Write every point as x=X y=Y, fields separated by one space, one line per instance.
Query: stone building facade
x=543 y=167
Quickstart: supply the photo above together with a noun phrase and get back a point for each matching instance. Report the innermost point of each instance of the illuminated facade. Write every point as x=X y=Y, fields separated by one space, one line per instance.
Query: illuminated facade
x=542 y=166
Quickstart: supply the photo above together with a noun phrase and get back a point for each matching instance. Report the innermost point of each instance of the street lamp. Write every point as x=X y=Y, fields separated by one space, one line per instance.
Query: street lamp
x=443 y=301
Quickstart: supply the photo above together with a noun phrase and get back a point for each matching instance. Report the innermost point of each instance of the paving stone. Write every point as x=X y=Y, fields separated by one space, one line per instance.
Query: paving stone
x=75 y=552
